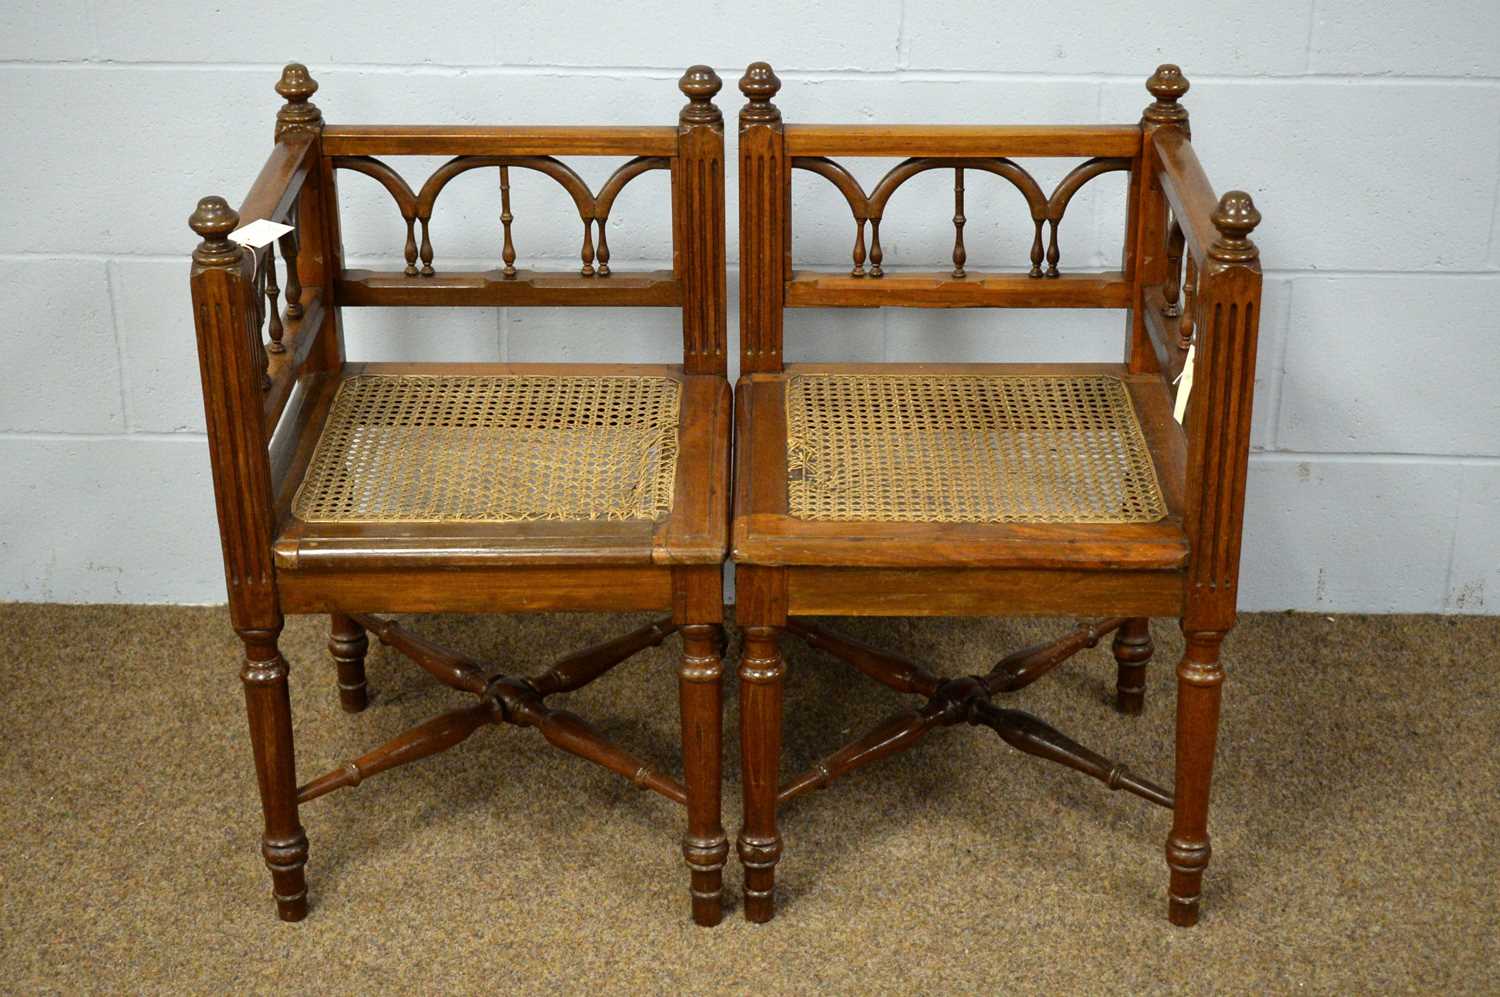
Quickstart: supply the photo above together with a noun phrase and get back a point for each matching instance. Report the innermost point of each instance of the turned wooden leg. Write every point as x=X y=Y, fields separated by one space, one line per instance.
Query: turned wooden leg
x=1200 y=679
x=700 y=693
x=1132 y=648
x=284 y=845
x=348 y=644
x=761 y=677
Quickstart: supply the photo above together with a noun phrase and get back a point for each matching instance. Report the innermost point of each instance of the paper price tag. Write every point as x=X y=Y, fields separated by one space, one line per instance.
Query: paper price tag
x=259 y=233
x=1184 y=385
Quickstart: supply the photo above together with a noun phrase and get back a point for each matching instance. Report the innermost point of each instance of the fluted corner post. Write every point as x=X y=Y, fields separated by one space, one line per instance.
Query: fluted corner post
x=1132 y=650
x=1218 y=432
x=699 y=612
x=765 y=221
x=1146 y=253
x=761 y=612
x=348 y=645
x=320 y=253
x=231 y=361
x=698 y=213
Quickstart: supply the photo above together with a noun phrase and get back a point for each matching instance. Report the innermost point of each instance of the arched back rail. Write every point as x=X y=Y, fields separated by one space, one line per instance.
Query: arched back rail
x=1044 y=209
x=963 y=149
x=416 y=210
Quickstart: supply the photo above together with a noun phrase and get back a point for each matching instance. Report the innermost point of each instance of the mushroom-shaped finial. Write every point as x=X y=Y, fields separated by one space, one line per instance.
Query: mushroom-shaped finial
x=214 y=219
x=699 y=84
x=1167 y=85
x=759 y=84
x=1235 y=218
x=297 y=86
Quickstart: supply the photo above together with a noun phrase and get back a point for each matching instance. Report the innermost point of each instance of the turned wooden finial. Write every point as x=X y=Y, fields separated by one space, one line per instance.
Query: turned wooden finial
x=699 y=84
x=759 y=84
x=298 y=113
x=1167 y=85
x=214 y=219
x=1235 y=218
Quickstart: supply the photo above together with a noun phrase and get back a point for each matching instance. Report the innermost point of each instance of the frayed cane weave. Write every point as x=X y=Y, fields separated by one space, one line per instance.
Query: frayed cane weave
x=967 y=448
x=494 y=449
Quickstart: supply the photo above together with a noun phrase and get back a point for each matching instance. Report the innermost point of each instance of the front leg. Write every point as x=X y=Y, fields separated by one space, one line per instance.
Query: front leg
x=284 y=845
x=762 y=673
x=1200 y=680
x=700 y=693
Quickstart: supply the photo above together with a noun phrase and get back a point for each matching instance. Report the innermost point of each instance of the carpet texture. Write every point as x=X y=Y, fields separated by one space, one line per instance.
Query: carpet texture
x=1355 y=821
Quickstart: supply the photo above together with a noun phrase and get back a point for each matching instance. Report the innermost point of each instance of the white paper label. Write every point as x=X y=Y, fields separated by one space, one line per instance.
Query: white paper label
x=261 y=232
x=1184 y=385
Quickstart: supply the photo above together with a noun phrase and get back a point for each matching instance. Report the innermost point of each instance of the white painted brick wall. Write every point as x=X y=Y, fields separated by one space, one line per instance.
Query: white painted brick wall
x=1369 y=135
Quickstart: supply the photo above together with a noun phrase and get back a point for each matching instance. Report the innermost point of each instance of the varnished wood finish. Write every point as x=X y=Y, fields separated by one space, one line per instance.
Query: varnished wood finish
x=1132 y=650
x=1046 y=210
x=526 y=288
x=1190 y=276
x=965 y=700
x=820 y=289
x=961 y=140
x=765 y=221
x=698 y=596
x=499 y=140
x=348 y=645
x=760 y=608
x=502 y=699
x=272 y=357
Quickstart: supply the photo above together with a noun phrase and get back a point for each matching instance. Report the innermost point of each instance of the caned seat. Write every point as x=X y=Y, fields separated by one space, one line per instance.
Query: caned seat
x=502 y=448
x=496 y=464
x=1004 y=465
x=967 y=448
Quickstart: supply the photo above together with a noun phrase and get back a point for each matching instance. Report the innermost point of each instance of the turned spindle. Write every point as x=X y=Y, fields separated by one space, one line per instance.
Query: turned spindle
x=508 y=251
x=273 y=301
x=1189 y=292
x=1170 y=291
x=959 y=253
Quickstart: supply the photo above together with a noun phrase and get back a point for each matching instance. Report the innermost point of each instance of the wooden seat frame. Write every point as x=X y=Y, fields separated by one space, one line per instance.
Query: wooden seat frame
x=270 y=373
x=1185 y=566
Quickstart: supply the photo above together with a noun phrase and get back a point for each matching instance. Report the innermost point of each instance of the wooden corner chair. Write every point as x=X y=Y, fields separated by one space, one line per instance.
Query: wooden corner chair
x=361 y=489
x=994 y=489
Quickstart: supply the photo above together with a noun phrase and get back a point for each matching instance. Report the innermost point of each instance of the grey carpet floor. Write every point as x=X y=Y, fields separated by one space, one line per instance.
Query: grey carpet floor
x=1355 y=821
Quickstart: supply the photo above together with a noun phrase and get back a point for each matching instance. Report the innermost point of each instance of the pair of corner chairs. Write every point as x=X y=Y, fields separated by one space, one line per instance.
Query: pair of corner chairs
x=359 y=490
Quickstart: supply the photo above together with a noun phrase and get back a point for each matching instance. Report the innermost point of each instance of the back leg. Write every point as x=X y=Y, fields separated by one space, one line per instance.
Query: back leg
x=348 y=645
x=1132 y=649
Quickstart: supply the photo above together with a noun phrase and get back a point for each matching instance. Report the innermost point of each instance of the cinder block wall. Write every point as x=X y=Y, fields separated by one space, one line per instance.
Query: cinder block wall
x=1368 y=134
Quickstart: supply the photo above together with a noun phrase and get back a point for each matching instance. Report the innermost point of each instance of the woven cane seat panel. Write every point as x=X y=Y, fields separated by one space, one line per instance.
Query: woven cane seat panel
x=968 y=448
x=494 y=449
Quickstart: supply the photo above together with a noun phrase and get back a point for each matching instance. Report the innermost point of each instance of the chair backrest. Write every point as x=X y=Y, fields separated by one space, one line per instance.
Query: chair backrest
x=298 y=186
x=770 y=150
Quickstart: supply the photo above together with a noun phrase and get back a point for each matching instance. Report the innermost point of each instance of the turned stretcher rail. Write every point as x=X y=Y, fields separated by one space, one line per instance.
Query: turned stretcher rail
x=504 y=700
